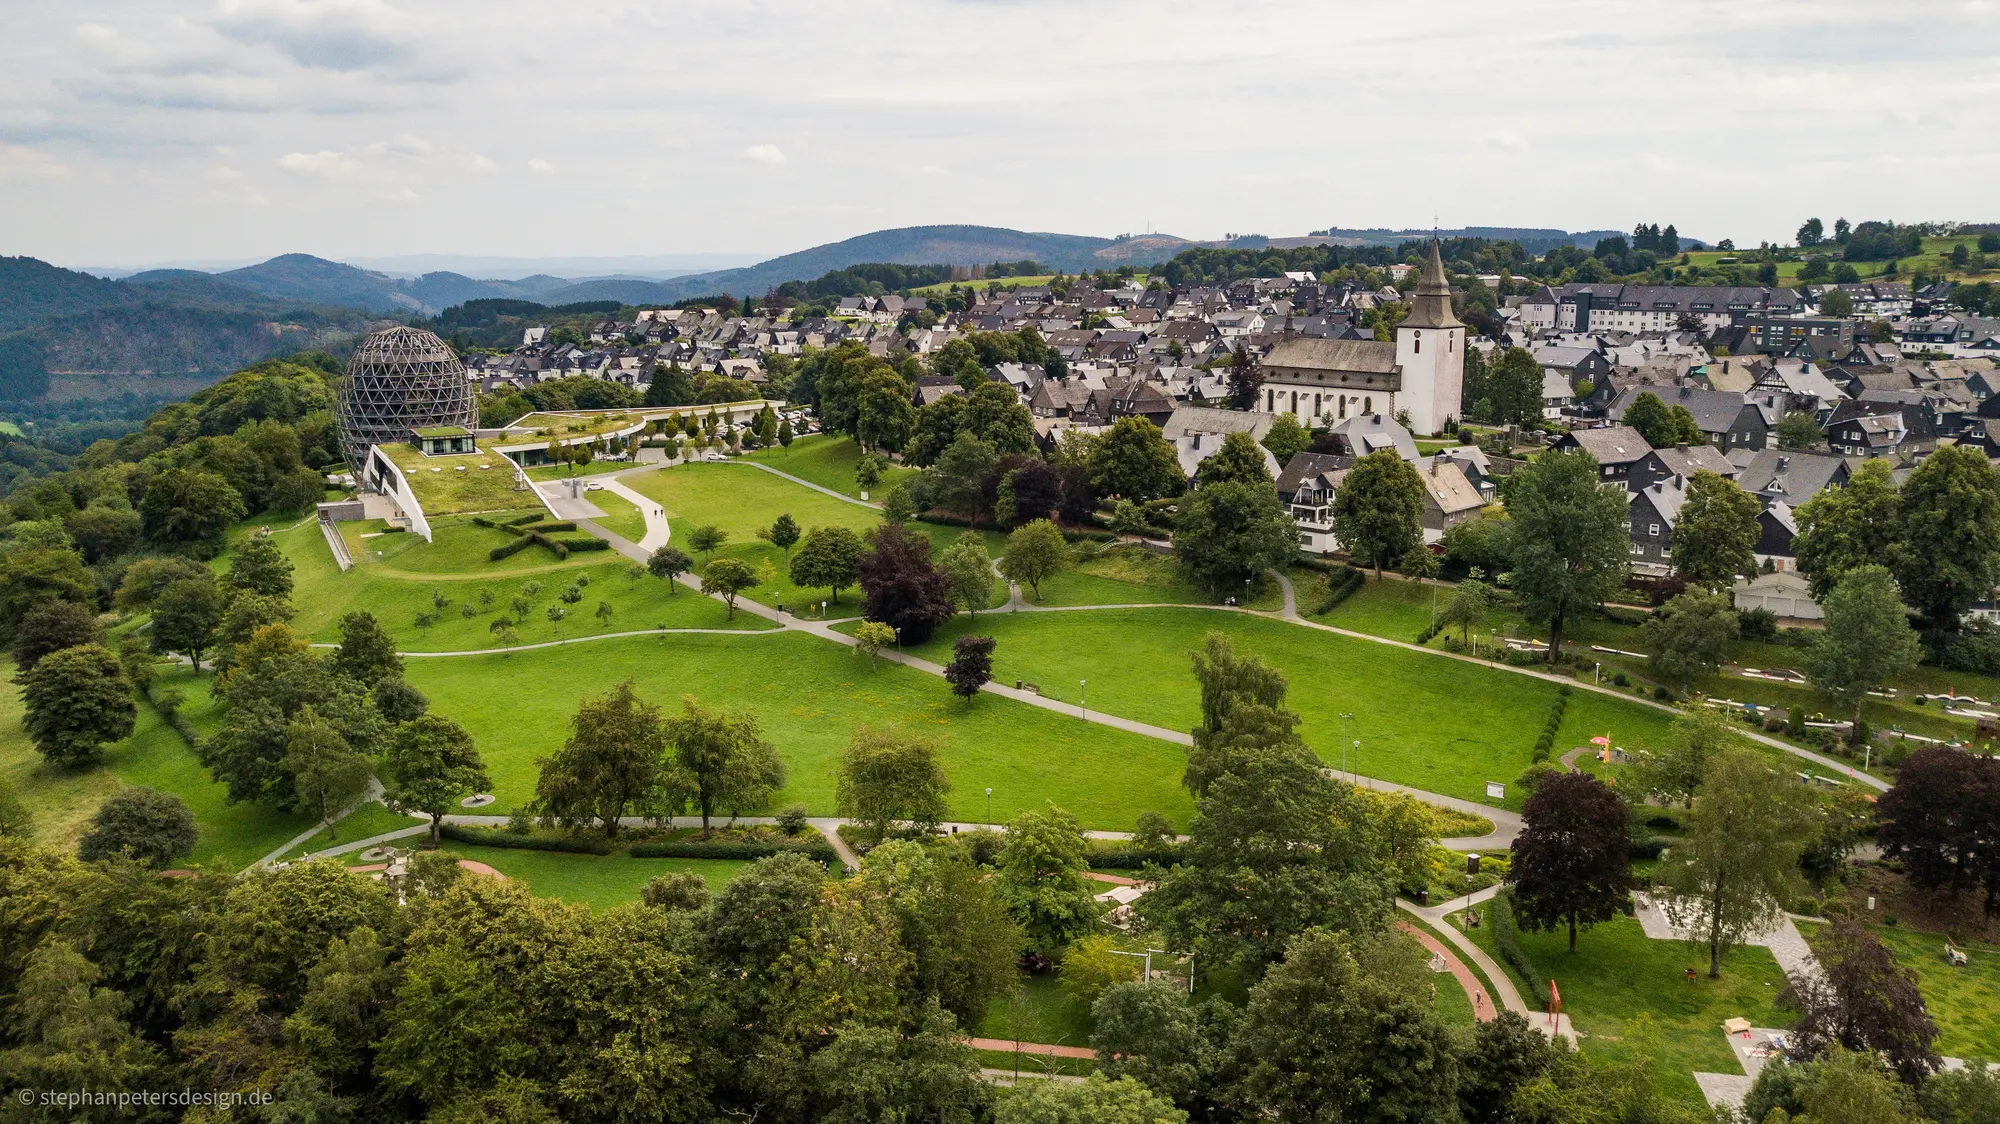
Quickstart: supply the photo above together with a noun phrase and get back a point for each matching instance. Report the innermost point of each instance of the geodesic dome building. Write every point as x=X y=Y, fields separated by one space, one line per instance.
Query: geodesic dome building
x=400 y=379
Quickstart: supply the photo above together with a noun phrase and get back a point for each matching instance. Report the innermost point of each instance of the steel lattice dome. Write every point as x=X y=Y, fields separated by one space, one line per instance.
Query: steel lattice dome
x=400 y=379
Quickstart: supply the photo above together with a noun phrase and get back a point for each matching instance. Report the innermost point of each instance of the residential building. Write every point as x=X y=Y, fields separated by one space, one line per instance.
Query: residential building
x=1617 y=449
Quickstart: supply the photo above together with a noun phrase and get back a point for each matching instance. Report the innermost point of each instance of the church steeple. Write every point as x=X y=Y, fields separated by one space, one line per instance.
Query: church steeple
x=1432 y=306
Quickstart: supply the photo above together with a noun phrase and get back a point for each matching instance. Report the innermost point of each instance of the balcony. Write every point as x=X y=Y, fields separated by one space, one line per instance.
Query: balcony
x=1316 y=518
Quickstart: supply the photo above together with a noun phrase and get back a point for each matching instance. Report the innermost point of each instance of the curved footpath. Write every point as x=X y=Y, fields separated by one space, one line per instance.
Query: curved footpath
x=1507 y=824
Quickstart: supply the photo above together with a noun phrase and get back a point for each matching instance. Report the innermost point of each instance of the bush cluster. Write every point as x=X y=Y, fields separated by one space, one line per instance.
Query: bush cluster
x=1507 y=938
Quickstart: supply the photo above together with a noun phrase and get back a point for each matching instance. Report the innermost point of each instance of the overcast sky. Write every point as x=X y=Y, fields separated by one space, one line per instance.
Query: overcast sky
x=140 y=131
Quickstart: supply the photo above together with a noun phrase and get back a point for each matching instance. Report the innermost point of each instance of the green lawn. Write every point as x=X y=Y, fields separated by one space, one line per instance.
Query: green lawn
x=466 y=482
x=1964 y=1002
x=810 y=695
x=61 y=801
x=323 y=594
x=1439 y=724
x=459 y=547
x=598 y=881
x=365 y=822
x=621 y=516
x=564 y=471
x=1134 y=575
x=943 y=287
x=1619 y=979
x=1397 y=609
x=827 y=460
x=740 y=501
x=1037 y=1011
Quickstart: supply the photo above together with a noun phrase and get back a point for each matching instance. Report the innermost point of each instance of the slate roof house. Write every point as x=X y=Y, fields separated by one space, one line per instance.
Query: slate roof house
x=1617 y=448
x=1731 y=421
x=1653 y=512
x=1791 y=477
x=1306 y=487
x=1679 y=461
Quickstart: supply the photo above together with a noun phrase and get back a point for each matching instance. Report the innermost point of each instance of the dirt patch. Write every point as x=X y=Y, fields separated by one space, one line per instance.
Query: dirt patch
x=1960 y=915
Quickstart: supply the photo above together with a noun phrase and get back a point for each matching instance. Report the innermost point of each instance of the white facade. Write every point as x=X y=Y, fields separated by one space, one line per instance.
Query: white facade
x=1432 y=361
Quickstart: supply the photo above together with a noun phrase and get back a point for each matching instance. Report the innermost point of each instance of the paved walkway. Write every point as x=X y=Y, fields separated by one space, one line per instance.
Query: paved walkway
x=1788 y=946
x=1439 y=919
x=1475 y=992
x=1043 y=1048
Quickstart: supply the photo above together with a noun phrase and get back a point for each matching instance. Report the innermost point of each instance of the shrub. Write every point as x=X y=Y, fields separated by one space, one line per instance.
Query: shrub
x=690 y=849
x=1662 y=694
x=1621 y=680
x=793 y=819
x=540 y=841
x=1647 y=846
x=1757 y=624
x=508 y=550
x=1340 y=586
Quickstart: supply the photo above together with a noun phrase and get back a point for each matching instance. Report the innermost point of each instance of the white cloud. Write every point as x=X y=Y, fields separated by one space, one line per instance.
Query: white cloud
x=19 y=162
x=327 y=34
x=541 y=167
x=764 y=154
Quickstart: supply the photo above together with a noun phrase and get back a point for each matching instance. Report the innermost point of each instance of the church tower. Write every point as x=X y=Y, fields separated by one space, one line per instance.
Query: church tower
x=1430 y=352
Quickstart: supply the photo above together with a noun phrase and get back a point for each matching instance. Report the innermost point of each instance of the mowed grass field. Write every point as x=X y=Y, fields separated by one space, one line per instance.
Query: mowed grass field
x=1438 y=724
x=1629 y=995
x=827 y=460
x=810 y=695
x=740 y=501
x=322 y=595
x=61 y=801
x=598 y=881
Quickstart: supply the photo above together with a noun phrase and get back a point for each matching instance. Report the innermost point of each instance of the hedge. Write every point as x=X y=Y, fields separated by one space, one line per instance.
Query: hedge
x=1647 y=846
x=1547 y=741
x=1500 y=915
x=1133 y=859
x=508 y=550
x=531 y=517
x=495 y=837
x=684 y=849
x=1339 y=588
x=584 y=543
x=546 y=528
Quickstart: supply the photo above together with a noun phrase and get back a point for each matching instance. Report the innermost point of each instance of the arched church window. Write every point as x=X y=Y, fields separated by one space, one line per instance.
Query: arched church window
x=1417 y=344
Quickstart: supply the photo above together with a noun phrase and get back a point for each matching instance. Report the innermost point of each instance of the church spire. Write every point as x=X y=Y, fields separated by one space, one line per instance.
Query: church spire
x=1432 y=306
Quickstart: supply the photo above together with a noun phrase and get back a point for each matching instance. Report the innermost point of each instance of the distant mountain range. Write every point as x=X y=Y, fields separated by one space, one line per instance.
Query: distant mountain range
x=65 y=333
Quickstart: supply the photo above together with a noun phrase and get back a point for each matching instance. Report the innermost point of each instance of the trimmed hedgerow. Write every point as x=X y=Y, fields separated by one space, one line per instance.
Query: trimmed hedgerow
x=497 y=837
x=689 y=849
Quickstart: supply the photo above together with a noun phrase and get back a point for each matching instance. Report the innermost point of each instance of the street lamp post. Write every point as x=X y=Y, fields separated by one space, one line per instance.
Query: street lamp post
x=899 y=641
x=1344 y=720
x=989 y=806
x=1357 y=760
x=1082 y=698
x=1246 y=591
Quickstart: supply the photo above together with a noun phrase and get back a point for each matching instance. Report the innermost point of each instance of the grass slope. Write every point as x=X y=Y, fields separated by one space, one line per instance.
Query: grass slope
x=61 y=801
x=810 y=695
x=598 y=881
x=1438 y=724
x=1964 y=1002
x=1628 y=994
x=827 y=460
x=323 y=595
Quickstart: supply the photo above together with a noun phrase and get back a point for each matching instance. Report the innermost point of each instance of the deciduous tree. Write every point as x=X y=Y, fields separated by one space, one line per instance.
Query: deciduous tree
x=614 y=761
x=901 y=588
x=726 y=578
x=1739 y=861
x=1230 y=532
x=1239 y=460
x=74 y=701
x=970 y=571
x=1689 y=636
x=431 y=764
x=1378 y=511
x=328 y=776
x=1571 y=864
x=1715 y=534
x=668 y=562
x=971 y=665
x=1843 y=528
x=51 y=627
x=830 y=559
x=720 y=761
x=1949 y=554
x=367 y=652
x=1567 y=538
x=870 y=637
x=888 y=778
x=154 y=828
x=1035 y=553
x=1286 y=439
x=1866 y=642
x=1861 y=1000
x=1041 y=879
x=1133 y=460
